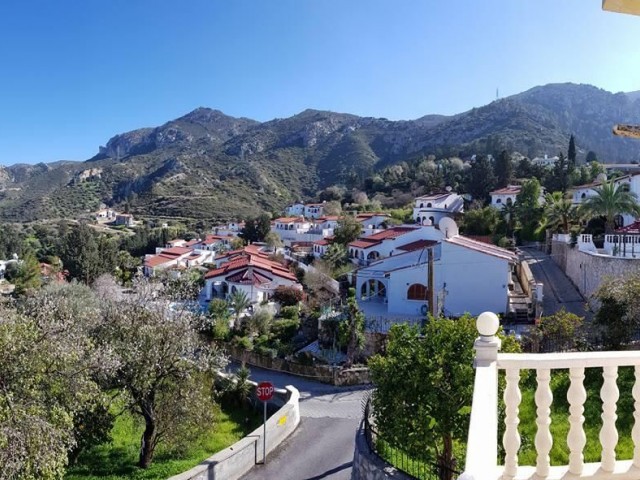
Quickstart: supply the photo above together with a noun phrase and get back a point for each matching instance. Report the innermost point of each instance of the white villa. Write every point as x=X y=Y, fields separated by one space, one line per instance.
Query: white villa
x=174 y=258
x=466 y=276
x=430 y=209
x=251 y=271
x=582 y=192
x=545 y=161
x=505 y=196
x=307 y=210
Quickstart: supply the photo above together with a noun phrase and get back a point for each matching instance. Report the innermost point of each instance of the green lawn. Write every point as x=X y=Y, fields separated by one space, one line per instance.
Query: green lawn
x=560 y=417
x=117 y=460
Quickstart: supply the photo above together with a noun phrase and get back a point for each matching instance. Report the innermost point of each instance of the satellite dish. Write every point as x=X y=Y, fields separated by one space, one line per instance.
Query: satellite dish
x=448 y=226
x=448 y=189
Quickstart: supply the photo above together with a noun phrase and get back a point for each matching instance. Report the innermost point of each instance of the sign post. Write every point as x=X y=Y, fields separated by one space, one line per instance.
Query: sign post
x=264 y=391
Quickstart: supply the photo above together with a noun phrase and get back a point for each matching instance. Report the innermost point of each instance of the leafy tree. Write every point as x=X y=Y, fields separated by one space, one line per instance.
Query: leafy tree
x=336 y=256
x=48 y=372
x=619 y=312
x=528 y=209
x=352 y=329
x=480 y=221
x=256 y=229
x=481 y=179
x=273 y=240
x=424 y=387
x=332 y=208
x=571 y=155
x=126 y=266
x=260 y=322
x=560 y=178
x=611 y=200
x=27 y=276
x=287 y=296
x=164 y=367
x=347 y=230
x=80 y=254
x=591 y=157
x=504 y=169
x=558 y=332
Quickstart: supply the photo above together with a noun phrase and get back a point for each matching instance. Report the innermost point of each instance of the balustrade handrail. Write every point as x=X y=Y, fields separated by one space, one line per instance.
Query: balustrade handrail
x=565 y=360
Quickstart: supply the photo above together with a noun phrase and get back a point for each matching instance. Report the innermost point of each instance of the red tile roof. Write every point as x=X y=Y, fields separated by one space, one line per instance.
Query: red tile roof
x=255 y=261
x=394 y=232
x=631 y=228
x=365 y=243
x=156 y=260
x=510 y=190
x=176 y=251
x=417 y=245
x=321 y=242
x=289 y=219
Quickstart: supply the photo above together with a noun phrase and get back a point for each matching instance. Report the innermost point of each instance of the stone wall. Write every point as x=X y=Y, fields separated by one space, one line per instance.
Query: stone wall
x=587 y=270
x=233 y=462
x=368 y=466
x=323 y=373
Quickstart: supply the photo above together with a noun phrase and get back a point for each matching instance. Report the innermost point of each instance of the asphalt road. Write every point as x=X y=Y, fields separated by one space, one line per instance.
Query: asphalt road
x=322 y=445
x=558 y=290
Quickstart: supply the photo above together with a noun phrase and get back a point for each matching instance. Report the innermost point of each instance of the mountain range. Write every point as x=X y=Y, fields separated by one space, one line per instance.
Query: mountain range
x=212 y=166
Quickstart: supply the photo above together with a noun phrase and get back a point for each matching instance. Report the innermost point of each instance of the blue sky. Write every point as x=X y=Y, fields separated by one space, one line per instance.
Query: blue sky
x=76 y=72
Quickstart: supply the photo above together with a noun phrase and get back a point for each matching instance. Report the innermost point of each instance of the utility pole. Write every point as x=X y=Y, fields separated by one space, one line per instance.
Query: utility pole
x=430 y=282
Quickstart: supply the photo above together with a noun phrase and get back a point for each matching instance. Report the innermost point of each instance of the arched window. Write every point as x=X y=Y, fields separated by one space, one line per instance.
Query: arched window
x=618 y=221
x=421 y=205
x=432 y=220
x=418 y=220
x=509 y=201
x=429 y=205
x=499 y=200
x=417 y=291
x=584 y=195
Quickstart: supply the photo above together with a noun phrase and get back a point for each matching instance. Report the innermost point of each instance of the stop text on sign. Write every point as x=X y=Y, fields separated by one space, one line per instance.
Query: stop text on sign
x=264 y=391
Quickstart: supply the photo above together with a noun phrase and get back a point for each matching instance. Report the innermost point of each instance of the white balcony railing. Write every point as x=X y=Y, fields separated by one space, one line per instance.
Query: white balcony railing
x=482 y=447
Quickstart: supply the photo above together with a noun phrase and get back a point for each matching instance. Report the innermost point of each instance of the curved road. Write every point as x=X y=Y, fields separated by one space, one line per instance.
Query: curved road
x=322 y=445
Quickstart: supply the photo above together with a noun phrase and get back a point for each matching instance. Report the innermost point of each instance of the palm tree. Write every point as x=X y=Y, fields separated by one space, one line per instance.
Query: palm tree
x=238 y=301
x=509 y=213
x=611 y=200
x=559 y=213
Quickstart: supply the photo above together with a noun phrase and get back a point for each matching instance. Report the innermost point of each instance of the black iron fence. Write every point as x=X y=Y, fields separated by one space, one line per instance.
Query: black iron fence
x=389 y=452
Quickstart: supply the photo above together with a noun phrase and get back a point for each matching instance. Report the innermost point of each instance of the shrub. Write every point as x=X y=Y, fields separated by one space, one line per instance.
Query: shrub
x=290 y=313
x=285 y=329
x=287 y=296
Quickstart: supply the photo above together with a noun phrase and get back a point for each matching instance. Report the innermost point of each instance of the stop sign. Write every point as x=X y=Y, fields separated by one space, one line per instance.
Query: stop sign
x=265 y=391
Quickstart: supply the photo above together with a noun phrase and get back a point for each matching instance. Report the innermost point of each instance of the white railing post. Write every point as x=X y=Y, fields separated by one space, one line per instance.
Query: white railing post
x=511 y=437
x=609 y=433
x=482 y=446
x=543 y=440
x=635 y=432
x=576 y=439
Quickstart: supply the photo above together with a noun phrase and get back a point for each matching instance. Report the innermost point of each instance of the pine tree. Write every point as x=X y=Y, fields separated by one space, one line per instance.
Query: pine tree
x=504 y=169
x=481 y=179
x=571 y=155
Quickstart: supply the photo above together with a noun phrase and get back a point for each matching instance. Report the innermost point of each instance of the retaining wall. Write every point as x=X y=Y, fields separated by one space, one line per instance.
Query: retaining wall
x=323 y=373
x=368 y=466
x=587 y=270
x=233 y=462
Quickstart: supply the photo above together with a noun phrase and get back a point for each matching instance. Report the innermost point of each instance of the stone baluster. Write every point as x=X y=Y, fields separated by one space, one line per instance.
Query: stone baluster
x=576 y=439
x=544 y=440
x=511 y=437
x=608 y=433
x=635 y=432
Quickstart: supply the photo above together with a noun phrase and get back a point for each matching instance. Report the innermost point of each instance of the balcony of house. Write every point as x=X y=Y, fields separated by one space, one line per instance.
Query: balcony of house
x=567 y=423
x=623 y=245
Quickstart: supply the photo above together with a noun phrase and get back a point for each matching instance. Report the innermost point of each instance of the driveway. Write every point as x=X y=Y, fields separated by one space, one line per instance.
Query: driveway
x=558 y=290
x=322 y=445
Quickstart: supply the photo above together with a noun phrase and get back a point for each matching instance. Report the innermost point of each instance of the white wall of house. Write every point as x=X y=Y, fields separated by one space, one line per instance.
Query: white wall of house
x=254 y=293
x=465 y=280
x=313 y=210
x=295 y=209
x=498 y=201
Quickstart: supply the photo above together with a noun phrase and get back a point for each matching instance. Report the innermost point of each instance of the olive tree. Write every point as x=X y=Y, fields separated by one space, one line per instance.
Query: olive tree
x=49 y=369
x=164 y=366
